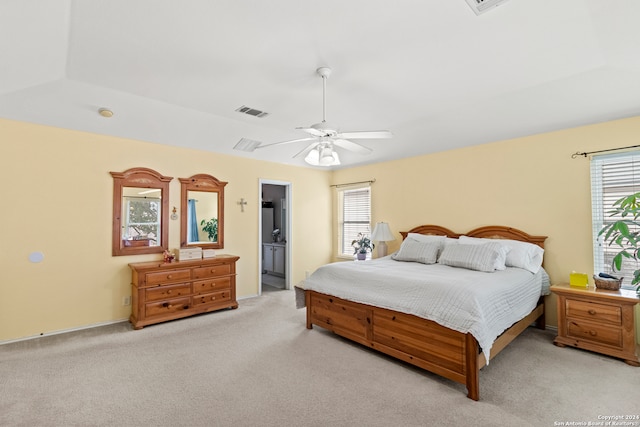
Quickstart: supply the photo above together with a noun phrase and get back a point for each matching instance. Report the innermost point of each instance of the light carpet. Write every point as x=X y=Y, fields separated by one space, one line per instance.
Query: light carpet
x=259 y=366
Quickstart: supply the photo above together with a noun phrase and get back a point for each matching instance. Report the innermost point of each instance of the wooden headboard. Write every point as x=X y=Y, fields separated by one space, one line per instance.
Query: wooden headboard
x=488 y=232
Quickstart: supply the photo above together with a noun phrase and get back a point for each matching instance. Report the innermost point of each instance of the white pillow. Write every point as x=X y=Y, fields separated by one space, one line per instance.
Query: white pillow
x=426 y=237
x=502 y=249
x=413 y=250
x=522 y=254
x=471 y=257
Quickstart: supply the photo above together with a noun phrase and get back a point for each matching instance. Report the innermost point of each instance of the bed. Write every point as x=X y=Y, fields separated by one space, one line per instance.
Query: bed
x=411 y=333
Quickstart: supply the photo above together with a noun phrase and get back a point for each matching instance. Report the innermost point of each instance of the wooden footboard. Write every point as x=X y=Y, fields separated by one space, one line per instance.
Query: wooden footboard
x=409 y=338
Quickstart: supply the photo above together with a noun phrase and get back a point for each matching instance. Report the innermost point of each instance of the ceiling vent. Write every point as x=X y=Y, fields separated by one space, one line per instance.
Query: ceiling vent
x=481 y=6
x=246 y=144
x=251 y=111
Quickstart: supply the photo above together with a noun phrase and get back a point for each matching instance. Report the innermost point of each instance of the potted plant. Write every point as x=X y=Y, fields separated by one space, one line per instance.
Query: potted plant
x=211 y=228
x=362 y=245
x=621 y=233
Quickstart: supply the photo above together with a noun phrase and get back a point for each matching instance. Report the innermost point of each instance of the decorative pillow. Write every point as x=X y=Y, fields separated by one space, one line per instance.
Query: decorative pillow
x=503 y=249
x=522 y=254
x=471 y=257
x=412 y=250
x=426 y=237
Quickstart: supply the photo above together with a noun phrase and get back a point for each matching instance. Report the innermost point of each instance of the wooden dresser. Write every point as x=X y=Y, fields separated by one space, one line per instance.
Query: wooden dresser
x=598 y=320
x=166 y=291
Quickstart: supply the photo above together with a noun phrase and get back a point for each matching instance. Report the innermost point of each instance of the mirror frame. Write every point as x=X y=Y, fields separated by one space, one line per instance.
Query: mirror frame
x=141 y=178
x=205 y=183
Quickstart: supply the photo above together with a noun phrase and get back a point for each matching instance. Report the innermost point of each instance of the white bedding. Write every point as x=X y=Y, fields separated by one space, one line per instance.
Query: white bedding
x=484 y=304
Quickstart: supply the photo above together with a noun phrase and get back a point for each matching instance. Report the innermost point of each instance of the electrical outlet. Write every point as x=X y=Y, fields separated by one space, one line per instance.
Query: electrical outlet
x=126 y=300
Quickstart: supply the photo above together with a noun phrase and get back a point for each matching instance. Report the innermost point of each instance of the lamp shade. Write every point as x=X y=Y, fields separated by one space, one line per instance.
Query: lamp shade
x=382 y=233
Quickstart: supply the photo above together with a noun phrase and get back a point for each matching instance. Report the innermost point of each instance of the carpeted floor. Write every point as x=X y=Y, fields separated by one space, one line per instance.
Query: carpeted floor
x=259 y=366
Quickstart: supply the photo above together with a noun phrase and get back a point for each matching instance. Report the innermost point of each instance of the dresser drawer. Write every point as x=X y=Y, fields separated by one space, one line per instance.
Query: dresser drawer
x=166 y=292
x=166 y=307
x=211 y=298
x=167 y=277
x=206 y=286
x=588 y=331
x=212 y=271
x=594 y=311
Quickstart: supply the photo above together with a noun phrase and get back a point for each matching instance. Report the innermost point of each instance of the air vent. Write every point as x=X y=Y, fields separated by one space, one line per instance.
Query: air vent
x=251 y=111
x=481 y=6
x=246 y=144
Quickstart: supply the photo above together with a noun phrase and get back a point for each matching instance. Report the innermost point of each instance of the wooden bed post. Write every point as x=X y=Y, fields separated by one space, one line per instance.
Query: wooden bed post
x=307 y=301
x=473 y=370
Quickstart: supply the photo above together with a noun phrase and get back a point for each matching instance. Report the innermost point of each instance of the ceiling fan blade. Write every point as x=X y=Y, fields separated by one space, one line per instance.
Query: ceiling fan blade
x=306 y=150
x=352 y=146
x=366 y=134
x=312 y=131
x=285 y=142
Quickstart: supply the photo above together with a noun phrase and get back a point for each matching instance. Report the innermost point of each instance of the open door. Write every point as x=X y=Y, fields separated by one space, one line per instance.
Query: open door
x=275 y=236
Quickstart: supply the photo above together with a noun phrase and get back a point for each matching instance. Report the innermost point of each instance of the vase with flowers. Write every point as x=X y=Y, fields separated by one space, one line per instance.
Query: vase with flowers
x=362 y=245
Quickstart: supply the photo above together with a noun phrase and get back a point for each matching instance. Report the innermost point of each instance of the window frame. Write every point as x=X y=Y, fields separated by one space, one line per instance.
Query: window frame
x=365 y=228
x=607 y=186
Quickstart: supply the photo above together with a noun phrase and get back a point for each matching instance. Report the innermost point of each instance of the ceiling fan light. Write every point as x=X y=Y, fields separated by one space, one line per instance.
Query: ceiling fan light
x=326 y=156
x=313 y=157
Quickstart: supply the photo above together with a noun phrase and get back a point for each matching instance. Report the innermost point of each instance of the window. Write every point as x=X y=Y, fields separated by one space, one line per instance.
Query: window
x=354 y=216
x=612 y=177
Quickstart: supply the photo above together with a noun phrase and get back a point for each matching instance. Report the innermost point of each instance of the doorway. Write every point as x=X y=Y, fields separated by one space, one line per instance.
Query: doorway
x=275 y=236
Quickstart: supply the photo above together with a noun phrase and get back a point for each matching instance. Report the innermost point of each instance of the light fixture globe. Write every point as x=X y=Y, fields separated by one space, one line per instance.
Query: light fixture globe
x=323 y=155
x=326 y=156
x=313 y=158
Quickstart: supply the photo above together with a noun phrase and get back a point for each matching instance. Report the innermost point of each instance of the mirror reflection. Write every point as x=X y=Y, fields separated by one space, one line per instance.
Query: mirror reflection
x=141 y=215
x=202 y=212
x=202 y=217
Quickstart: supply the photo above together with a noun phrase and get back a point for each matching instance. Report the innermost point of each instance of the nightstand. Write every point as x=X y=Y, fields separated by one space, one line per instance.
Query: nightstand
x=598 y=320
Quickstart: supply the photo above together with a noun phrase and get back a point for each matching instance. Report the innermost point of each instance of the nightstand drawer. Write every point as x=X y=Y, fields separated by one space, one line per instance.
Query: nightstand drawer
x=587 y=331
x=594 y=311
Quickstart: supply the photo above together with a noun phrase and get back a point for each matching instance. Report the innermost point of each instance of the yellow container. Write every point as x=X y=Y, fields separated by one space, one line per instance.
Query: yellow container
x=580 y=280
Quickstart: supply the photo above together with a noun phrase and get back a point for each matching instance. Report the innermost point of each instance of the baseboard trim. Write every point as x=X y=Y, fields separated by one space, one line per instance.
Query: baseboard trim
x=64 y=331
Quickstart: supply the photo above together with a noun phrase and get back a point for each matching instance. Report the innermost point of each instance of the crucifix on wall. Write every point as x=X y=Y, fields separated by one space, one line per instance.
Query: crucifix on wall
x=242 y=203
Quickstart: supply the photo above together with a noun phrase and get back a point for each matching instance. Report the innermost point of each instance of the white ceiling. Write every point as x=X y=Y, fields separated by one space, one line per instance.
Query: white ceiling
x=432 y=72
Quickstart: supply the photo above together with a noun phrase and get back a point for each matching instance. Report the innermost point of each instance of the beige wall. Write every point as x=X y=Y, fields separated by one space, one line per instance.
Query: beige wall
x=528 y=183
x=57 y=198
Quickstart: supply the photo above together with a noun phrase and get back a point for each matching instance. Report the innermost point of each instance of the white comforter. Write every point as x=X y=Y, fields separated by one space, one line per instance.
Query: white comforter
x=484 y=304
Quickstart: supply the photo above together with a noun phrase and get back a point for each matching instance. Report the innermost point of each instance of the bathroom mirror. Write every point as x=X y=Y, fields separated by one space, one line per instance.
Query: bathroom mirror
x=140 y=212
x=202 y=212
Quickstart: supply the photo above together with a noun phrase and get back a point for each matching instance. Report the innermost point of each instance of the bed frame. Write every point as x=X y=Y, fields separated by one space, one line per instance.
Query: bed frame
x=420 y=342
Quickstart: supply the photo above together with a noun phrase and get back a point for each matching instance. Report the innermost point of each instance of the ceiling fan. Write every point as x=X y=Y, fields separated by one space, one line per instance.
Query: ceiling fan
x=327 y=136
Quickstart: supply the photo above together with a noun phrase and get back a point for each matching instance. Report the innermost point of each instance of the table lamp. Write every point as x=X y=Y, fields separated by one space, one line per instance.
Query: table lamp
x=382 y=234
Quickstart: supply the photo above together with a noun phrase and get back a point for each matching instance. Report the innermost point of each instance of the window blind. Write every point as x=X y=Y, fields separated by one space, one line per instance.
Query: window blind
x=612 y=177
x=355 y=216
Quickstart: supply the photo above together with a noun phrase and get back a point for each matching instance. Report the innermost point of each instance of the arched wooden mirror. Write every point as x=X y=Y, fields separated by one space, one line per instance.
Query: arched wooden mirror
x=202 y=212
x=140 y=212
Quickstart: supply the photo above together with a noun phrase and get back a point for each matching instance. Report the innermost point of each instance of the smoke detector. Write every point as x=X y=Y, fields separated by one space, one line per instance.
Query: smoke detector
x=482 y=6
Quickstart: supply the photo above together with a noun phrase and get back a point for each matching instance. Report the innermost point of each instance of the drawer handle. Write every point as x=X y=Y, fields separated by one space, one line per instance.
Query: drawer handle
x=213 y=298
x=592 y=311
x=593 y=333
x=169 y=291
x=166 y=305
x=186 y=307
x=169 y=276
